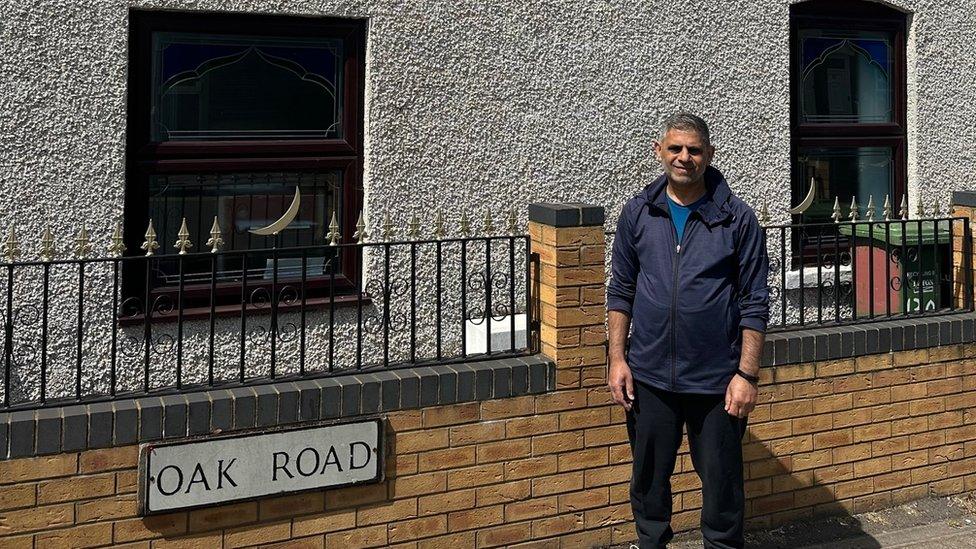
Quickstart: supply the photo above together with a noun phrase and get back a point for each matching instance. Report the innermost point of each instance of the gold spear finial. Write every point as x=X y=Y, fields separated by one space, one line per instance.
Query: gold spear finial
x=854 y=209
x=116 y=247
x=512 y=221
x=216 y=240
x=11 y=248
x=334 y=235
x=360 y=235
x=489 y=226
x=763 y=212
x=903 y=210
x=870 y=208
x=886 y=208
x=919 y=209
x=183 y=239
x=413 y=227
x=936 y=207
x=464 y=225
x=47 y=245
x=150 y=245
x=439 y=231
x=836 y=216
x=83 y=245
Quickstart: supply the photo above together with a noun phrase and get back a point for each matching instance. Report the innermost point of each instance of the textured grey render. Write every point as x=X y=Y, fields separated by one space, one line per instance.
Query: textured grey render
x=484 y=105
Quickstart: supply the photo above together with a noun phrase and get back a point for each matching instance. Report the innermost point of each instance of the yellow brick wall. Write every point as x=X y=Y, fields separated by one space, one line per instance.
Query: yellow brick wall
x=552 y=470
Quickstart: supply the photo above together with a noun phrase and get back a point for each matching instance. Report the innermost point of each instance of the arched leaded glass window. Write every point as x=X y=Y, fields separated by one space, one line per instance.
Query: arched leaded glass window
x=847 y=70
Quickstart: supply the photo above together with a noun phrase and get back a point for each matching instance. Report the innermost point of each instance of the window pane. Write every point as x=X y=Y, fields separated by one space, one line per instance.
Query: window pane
x=242 y=202
x=210 y=87
x=845 y=77
x=843 y=172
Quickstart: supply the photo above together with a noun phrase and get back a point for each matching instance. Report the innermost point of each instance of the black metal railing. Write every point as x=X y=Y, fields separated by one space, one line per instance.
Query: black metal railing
x=849 y=272
x=88 y=329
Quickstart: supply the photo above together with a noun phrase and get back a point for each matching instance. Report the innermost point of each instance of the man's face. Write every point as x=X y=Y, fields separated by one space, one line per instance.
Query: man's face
x=684 y=156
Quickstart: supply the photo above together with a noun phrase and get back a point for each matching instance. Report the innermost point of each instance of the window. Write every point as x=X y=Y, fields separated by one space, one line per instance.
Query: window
x=847 y=93
x=230 y=116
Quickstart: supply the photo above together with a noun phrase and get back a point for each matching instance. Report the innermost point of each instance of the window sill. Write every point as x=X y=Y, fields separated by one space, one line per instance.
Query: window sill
x=232 y=310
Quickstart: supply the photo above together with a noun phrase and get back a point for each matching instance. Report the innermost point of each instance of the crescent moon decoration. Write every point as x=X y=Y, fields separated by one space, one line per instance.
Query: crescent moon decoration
x=811 y=195
x=282 y=221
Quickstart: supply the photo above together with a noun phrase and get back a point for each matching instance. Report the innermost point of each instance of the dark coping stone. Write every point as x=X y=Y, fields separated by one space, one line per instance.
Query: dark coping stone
x=429 y=386
x=964 y=198
x=945 y=332
x=860 y=341
x=350 y=398
x=174 y=416
x=483 y=384
x=288 y=403
x=101 y=416
x=538 y=377
x=502 y=382
x=871 y=340
x=331 y=398
x=520 y=379
x=245 y=408
x=221 y=411
x=847 y=343
x=267 y=410
x=768 y=354
x=884 y=338
x=22 y=426
x=409 y=388
x=74 y=427
x=834 y=350
x=309 y=400
x=955 y=332
x=808 y=348
x=389 y=390
x=968 y=333
x=909 y=332
x=371 y=388
x=551 y=374
x=781 y=350
x=567 y=215
x=48 y=431
x=934 y=334
x=897 y=337
x=465 y=383
x=198 y=413
x=126 y=422
x=4 y=436
x=822 y=346
x=447 y=389
x=795 y=355
x=921 y=335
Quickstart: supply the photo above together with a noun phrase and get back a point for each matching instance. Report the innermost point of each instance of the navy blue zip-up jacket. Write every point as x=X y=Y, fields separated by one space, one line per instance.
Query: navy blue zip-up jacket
x=689 y=300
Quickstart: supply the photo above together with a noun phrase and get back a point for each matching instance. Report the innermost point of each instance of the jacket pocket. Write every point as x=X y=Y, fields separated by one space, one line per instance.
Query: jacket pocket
x=705 y=348
x=649 y=339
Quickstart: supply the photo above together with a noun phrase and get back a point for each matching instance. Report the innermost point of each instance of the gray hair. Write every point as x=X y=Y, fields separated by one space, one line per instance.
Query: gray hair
x=687 y=122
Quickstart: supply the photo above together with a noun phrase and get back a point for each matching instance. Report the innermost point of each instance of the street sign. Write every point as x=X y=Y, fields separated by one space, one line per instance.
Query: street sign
x=212 y=470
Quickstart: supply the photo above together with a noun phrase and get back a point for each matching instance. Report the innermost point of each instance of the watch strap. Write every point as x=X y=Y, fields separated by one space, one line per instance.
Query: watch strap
x=750 y=378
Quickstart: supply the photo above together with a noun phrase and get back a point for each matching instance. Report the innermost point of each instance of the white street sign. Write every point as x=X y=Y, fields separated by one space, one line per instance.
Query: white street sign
x=212 y=470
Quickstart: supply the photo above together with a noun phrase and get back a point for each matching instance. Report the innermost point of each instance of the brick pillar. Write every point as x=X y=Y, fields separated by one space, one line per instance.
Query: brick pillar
x=569 y=286
x=963 y=206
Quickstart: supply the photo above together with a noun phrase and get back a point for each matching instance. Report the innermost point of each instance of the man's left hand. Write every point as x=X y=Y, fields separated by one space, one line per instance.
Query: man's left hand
x=740 y=397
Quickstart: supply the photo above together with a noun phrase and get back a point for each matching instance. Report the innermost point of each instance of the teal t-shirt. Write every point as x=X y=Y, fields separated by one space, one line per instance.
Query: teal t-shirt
x=679 y=214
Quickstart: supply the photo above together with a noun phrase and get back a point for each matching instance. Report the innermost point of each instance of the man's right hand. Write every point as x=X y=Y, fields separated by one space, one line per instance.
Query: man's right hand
x=621 y=383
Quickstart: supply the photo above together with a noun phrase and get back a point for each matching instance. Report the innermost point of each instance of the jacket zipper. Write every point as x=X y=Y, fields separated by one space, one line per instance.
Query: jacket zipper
x=675 y=261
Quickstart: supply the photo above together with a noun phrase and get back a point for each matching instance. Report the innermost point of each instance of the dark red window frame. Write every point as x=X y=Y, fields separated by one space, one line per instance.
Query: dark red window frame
x=849 y=15
x=144 y=157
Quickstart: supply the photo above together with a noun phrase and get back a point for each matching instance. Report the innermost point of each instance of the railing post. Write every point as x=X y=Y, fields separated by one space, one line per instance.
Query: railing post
x=569 y=286
x=963 y=264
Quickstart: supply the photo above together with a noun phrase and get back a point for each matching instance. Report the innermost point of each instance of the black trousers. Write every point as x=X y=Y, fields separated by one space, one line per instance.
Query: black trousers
x=715 y=439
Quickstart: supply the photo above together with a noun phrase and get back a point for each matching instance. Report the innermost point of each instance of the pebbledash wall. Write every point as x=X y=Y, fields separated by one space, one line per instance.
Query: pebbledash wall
x=523 y=453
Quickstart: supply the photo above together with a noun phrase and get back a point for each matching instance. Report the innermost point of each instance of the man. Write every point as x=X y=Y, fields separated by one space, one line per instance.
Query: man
x=689 y=276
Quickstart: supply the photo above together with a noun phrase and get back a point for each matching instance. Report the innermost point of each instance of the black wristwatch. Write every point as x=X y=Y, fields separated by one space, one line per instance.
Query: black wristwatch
x=750 y=378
